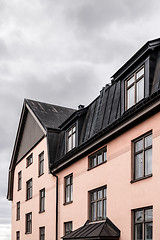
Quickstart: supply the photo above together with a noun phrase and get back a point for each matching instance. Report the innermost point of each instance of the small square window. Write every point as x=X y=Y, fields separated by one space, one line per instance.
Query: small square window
x=20 y=180
x=98 y=158
x=28 y=223
x=42 y=200
x=69 y=188
x=143 y=156
x=29 y=160
x=67 y=227
x=42 y=233
x=143 y=224
x=41 y=164
x=71 y=138
x=29 y=189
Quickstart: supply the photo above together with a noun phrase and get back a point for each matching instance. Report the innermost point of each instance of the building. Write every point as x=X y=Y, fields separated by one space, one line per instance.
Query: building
x=92 y=173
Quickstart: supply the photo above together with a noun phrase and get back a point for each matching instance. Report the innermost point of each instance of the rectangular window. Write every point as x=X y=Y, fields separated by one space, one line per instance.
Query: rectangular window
x=42 y=233
x=135 y=88
x=29 y=189
x=18 y=235
x=20 y=180
x=18 y=211
x=29 y=160
x=69 y=188
x=143 y=156
x=143 y=224
x=98 y=158
x=41 y=163
x=98 y=204
x=71 y=138
x=42 y=200
x=29 y=223
x=67 y=227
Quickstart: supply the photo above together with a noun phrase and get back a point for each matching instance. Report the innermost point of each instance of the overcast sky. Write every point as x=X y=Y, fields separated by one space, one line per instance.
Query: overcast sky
x=62 y=52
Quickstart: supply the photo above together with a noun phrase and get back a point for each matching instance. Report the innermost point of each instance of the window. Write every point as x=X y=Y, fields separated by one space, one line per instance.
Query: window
x=29 y=223
x=18 y=235
x=42 y=200
x=29 y=160
x=98 y=158
x=18 y=211
x=135 y=88
x=41 y=163
x=98 y=202
x=20 y=180
x=71 y=138
x=42 y=233
x=143 y=224
x=67 y=227
x=29 y=189
x=143 y=157
x=69 y=188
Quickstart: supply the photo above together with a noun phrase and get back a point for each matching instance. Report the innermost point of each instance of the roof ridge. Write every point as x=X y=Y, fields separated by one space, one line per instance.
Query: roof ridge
x=46 y=103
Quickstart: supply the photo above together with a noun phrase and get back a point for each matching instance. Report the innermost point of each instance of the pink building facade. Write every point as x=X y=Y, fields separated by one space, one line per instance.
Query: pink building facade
x=92 y=173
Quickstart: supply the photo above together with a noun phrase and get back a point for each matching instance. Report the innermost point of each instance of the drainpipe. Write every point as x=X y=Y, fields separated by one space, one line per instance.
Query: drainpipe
x=56 y=205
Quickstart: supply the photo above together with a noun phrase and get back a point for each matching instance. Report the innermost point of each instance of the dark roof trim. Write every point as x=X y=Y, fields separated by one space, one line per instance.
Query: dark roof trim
x=73 y=118
x=149 y=46
x=138 y=111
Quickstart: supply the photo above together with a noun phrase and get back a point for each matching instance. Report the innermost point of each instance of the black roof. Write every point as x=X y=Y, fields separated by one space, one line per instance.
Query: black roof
x=95 y=230
x=108 y=110
x=51 y=116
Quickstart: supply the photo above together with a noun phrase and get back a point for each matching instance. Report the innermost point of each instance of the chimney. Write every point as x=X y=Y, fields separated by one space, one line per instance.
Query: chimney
x=80 y=107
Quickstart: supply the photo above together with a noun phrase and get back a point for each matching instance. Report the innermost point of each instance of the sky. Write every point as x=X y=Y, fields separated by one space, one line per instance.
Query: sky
x=62 y=52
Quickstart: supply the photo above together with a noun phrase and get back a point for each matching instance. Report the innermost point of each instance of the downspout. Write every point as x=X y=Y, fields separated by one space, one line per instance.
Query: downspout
x=56 y=205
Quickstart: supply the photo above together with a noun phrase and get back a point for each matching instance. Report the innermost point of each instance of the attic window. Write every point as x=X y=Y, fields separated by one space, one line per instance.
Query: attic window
x=135 y=88
x=71 y=138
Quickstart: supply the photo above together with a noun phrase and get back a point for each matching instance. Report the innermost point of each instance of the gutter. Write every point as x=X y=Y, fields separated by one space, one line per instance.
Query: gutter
x=56 y=204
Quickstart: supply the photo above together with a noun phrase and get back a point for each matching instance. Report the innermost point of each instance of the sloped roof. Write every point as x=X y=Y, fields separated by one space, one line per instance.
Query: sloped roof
x=51 y=116
x=96 y=230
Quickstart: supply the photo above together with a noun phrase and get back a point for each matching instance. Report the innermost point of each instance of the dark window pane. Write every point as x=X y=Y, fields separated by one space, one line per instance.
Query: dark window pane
x=148 y=231
x=105 y=156
x=148 y=141
x=104 y=209
x=139 y=145
x=130 y=81
x=140 y=73
x=139 y=232
x=149 y=215
x=138 y=166
x=140 y=90
x=93 y=209
x=139 y=216
x=100 y=159
x=130 y=97
x=99 y=210
x=148 y=162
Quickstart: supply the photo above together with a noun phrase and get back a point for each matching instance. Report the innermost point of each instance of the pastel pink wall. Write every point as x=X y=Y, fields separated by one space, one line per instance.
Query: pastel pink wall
x=46 y=181
x=122 y=196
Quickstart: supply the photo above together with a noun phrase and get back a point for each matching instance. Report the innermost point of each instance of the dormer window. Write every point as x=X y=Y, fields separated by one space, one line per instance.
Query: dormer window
x=71 y=138
x=135 y=88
